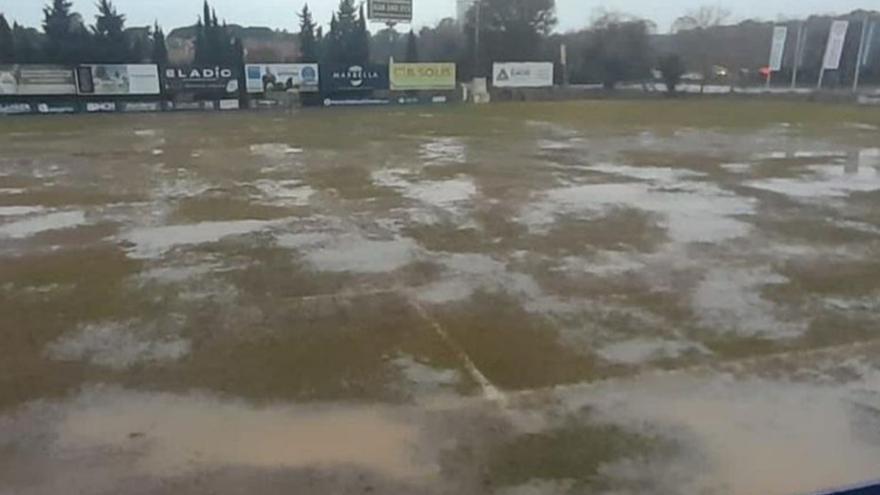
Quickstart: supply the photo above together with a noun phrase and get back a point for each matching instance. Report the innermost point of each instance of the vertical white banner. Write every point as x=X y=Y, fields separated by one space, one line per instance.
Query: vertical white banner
x=777 y=48
x=869 y=42
x=834 y=49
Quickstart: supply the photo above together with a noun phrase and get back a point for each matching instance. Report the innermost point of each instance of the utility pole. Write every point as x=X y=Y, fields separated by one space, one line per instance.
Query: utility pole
x=563 y=58
x=478 y=5
x=861 y=54
x=392 y=40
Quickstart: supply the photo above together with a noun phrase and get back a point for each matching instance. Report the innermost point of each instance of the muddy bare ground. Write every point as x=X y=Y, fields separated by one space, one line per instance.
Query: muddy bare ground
x=609 y=298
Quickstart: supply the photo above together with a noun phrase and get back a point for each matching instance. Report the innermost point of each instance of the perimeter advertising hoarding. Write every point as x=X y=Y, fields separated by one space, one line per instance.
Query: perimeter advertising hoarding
x=390 y=10
x=56 y=107
x=129 y=79
x=263 y=78
x=101 y=106
x=208 y=83
x=17 y=108
x=37 y=80
x=353 y=78
x=522 y=74
x=424 y=76
x=141 y=106
x=46 y=108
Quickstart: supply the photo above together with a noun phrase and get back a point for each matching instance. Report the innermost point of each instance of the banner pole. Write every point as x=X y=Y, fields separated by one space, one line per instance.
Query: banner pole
x=797 y=55
x=861 y=54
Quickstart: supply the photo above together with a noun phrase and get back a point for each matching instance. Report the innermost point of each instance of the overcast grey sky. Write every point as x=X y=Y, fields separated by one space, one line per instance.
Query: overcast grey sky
x=280 y=13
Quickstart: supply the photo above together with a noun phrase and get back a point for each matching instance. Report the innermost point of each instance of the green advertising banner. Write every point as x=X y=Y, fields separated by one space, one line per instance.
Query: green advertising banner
x=425 y=76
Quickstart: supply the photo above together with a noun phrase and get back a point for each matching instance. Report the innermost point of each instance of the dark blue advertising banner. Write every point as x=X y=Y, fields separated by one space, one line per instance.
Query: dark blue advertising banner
x=201 y=83
x=16 y=108
x=353 y=78
x=53 y=107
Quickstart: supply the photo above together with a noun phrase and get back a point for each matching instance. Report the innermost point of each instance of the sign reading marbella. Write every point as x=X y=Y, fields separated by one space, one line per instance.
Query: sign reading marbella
x=390 y=11
x=357 y=77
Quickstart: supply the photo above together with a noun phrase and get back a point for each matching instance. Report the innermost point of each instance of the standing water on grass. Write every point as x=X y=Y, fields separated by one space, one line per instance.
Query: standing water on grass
x=651 y=293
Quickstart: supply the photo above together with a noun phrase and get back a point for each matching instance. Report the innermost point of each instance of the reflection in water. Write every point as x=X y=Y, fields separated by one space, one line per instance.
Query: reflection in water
x=35 y=225
x=739 y=437
x=860 y=173
x=153 y=242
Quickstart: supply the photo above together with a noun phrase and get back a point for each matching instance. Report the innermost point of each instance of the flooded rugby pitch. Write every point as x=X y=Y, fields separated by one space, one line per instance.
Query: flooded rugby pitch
x=518 y=299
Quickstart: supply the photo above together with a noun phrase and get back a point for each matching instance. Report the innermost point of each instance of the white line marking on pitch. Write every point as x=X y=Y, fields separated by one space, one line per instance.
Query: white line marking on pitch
x=490 y=391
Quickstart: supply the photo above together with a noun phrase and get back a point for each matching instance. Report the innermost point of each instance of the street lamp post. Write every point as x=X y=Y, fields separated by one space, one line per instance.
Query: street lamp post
x=478 y=6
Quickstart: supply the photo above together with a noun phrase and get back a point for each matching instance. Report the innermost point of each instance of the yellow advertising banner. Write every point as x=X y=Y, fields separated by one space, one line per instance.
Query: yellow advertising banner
x=423 y=76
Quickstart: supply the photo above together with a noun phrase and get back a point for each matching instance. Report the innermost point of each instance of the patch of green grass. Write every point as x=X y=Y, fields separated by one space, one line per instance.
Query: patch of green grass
x=321 y=349
x=572 y=453
x=816 y=231
x=616 y=229
x=207 y=209
x=512 y=347
x=447 y=237
x=348 y=181
x=830 y=277
x=67 y=196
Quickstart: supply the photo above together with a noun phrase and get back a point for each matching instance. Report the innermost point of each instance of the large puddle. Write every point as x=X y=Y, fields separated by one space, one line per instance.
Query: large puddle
x=153 y=242
x=27 y=227
x=690 y=211
x=825 y=181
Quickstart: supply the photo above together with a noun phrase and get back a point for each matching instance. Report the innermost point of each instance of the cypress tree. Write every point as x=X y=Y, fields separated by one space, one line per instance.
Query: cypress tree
x=109 y=37
x=360 y=45
x=58 y=24
x=308 y=43
x=26 y=49
x=199 y=44
x=159 y=54
x=412 y=47
x=7 y=42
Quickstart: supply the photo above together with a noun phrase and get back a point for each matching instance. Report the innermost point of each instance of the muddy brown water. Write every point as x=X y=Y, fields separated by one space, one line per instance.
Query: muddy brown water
x=612 y=298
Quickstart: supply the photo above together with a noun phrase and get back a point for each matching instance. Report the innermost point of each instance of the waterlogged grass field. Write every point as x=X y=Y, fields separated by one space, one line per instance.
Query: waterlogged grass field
x=558 y=298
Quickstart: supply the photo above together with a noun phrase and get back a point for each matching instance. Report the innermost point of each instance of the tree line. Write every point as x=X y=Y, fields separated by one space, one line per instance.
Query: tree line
x=66 y=39
x=613 y=49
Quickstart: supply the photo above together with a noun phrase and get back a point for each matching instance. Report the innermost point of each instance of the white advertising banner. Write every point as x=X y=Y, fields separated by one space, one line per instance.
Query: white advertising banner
x=264 y=78
x=777 y=49
x=106 y=79
x=522 y=74
x=834 y=49
x=37 y=80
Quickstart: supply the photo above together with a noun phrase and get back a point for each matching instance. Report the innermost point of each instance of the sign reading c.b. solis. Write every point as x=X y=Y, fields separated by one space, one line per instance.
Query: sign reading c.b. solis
x=423 y=76
x=353 y=78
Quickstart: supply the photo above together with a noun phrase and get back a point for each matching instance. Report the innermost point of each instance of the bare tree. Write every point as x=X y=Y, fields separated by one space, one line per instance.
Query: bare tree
x=696 y=26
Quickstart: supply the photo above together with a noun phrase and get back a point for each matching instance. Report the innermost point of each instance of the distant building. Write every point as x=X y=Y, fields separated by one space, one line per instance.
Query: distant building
x=461 y=9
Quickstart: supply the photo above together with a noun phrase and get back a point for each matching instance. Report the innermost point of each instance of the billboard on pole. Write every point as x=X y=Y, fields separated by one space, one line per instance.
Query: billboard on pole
x=37 y=80
x=390 y=10
x=522 y=74
x=423 y=76
x=777 y=48
x=834 y=49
